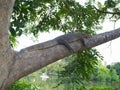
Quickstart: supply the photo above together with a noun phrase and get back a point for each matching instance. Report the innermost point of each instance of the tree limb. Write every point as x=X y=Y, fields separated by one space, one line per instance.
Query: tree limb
x=30 y=61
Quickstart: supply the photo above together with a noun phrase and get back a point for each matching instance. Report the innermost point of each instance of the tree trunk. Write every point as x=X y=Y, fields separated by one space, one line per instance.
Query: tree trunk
x=14 y=65
x=6 y=53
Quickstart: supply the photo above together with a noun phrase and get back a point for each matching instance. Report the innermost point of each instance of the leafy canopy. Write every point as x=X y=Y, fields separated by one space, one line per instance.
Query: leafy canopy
x=33 y=16
x=63 y=15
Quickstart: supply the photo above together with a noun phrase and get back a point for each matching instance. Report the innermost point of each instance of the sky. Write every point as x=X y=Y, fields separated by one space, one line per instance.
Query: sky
x=110 y=50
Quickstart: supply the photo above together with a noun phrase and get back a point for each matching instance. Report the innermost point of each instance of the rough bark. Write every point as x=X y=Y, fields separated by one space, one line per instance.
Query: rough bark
x=6 y=54
x=14 y=65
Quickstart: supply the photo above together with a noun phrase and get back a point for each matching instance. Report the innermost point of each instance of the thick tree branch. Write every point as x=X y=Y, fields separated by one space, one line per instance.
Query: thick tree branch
x=102 y=38
x=30 y=61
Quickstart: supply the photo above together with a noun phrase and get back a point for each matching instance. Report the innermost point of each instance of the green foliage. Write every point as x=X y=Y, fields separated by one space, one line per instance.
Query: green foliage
x=79 y=68
x=101 y=88
x=24 y=85
x=114 y=76
x=110 y=3
x=34 y=16
x=108 y=79
x=60 y=15
x=13 y=41
x=43 y=16
x=116 y=67
x=103 y=74
x=111 y=9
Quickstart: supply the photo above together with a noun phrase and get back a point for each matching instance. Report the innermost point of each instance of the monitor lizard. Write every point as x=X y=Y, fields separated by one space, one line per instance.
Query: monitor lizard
x=61 y=40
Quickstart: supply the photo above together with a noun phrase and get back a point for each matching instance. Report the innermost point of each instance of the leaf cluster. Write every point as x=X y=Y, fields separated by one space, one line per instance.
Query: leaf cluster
x=80 y=67
x=34 y=16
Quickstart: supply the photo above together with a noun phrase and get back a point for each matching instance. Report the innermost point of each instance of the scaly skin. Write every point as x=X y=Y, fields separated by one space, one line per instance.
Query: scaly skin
x=61 y=40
